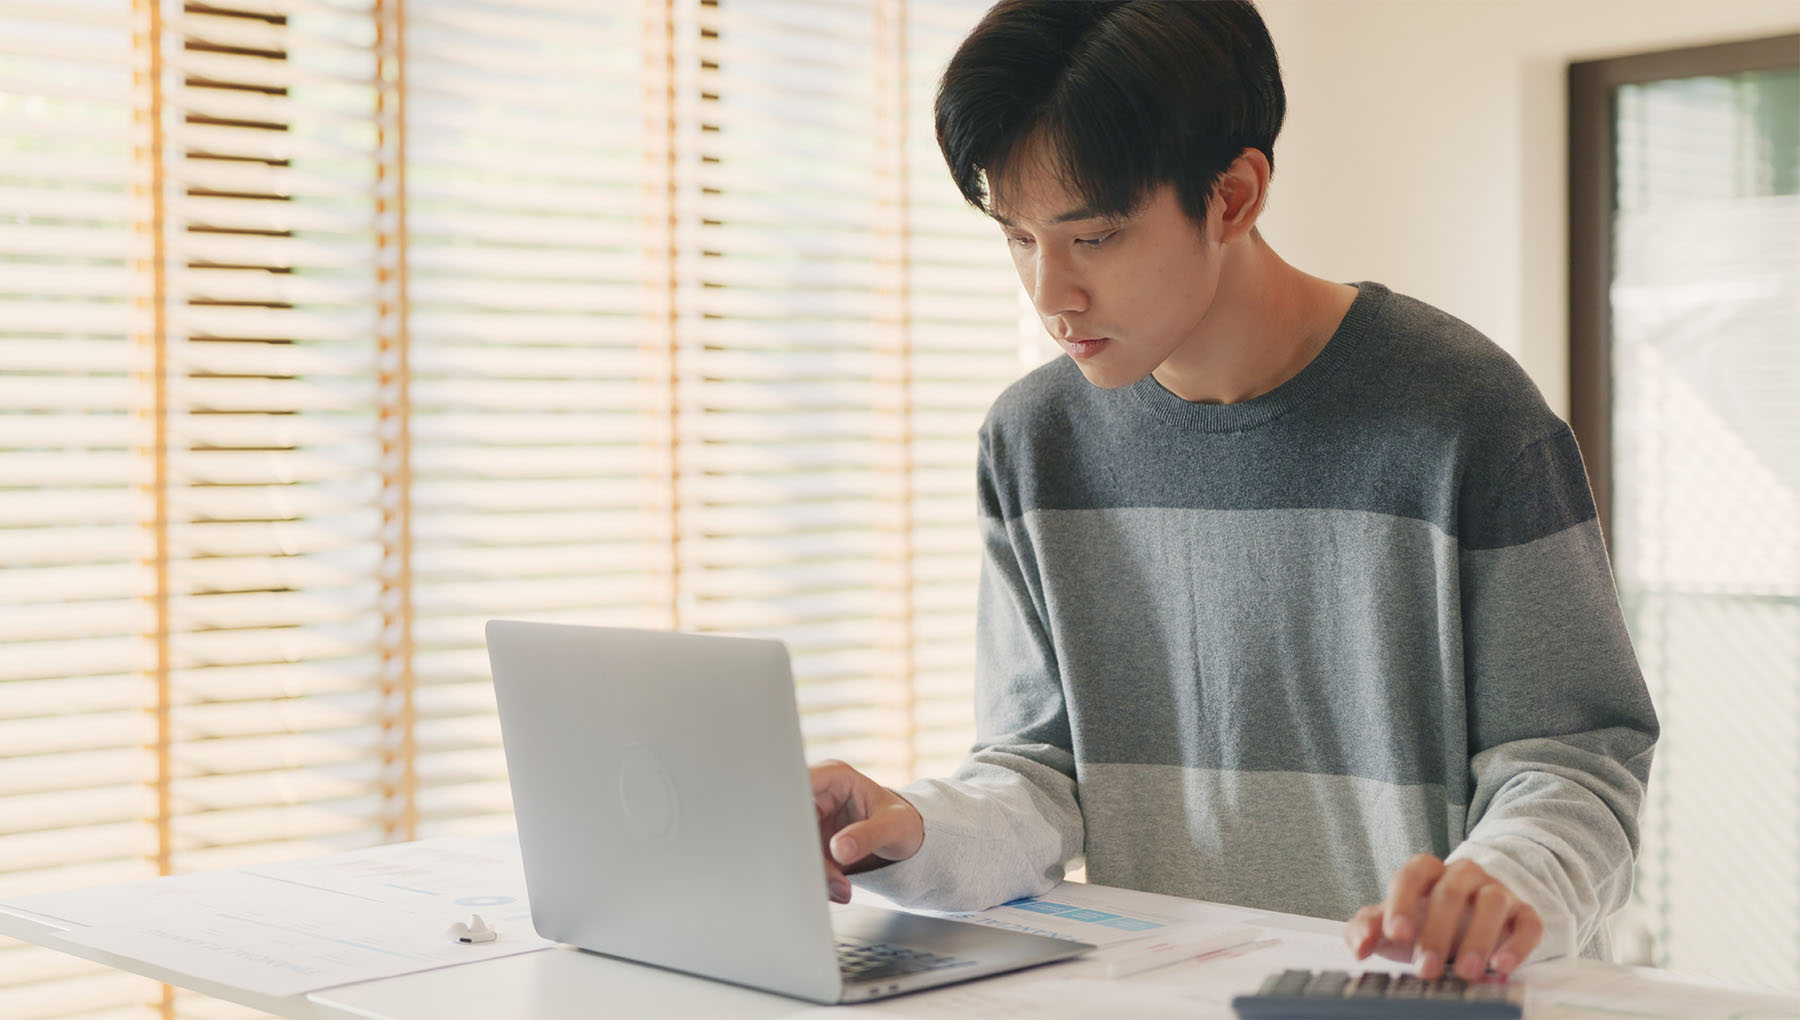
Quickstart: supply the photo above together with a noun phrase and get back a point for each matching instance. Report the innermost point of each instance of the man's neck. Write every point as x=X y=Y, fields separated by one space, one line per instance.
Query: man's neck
x=1268 y=321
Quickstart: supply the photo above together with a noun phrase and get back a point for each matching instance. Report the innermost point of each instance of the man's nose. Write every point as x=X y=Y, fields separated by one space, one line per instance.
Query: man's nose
x=1057 y=289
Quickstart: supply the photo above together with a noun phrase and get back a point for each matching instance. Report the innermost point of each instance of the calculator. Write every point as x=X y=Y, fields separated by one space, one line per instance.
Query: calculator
x=1334 y=994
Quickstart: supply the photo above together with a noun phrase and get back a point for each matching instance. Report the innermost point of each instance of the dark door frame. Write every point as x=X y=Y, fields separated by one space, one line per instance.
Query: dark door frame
x=1592 y=84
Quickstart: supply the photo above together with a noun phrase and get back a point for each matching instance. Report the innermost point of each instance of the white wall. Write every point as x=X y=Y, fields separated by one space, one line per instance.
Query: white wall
x=1425 y=145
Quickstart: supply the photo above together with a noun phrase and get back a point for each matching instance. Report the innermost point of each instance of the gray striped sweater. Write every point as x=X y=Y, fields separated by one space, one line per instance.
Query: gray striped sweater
x=1260 y=653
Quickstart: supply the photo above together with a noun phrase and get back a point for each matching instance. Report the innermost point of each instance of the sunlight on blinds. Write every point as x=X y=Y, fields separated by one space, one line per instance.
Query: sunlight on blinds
x=534 y=395
x=791 y=391
x=829 y=383
x=330 y=329
x=76 y=769
x=273 y=460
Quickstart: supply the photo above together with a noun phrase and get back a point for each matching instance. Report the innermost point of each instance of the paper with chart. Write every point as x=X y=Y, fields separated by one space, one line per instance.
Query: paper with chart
x=1105 y=916
x=286 y=929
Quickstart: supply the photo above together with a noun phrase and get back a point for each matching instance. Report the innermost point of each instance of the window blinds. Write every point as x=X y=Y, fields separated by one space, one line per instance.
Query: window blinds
x=77 y=764
x=1705 y=363
x=330 y=329
x=828 y=385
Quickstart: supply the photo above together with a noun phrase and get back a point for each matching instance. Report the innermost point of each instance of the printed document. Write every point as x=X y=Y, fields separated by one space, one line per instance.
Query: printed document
x=286 y=929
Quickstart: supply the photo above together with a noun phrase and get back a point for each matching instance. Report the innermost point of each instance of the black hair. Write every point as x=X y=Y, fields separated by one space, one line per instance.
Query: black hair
x=1119 y=96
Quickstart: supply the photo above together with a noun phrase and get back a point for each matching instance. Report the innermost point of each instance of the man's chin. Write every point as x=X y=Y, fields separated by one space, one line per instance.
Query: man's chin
x=1108 y=377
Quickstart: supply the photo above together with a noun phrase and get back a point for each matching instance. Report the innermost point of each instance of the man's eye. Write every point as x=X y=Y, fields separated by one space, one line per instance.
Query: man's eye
x=1014 y=239
x=1095 y=242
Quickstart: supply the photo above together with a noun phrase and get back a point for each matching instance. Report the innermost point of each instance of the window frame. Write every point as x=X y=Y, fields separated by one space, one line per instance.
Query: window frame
x=1592 y=85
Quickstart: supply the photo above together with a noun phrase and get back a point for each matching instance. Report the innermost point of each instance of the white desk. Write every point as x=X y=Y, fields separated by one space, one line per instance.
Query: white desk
x=562 y=982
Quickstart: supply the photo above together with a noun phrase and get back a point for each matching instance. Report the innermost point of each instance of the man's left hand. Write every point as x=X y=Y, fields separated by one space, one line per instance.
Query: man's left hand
x=1437 y=913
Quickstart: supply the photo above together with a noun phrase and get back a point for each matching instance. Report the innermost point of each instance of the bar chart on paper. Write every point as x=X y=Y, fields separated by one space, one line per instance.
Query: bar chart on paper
x=1078 y=912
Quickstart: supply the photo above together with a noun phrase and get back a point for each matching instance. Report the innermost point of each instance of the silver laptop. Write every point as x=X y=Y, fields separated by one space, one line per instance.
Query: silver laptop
x=665 y=816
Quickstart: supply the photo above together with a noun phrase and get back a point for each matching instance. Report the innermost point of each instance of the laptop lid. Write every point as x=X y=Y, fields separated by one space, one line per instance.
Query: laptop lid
x=664 y=811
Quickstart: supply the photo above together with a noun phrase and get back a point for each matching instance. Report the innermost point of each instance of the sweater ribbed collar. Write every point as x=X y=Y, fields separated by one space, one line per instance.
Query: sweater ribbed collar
x=1257 y=411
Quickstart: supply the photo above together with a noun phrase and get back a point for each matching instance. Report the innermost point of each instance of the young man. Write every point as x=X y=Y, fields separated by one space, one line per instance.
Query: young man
x=1293 y=594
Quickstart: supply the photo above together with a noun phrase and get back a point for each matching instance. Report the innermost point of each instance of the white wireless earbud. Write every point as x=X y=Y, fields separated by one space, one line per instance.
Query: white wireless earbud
x=475 y=931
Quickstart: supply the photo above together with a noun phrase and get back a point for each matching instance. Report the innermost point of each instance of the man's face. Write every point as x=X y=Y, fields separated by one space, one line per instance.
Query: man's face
x=1119 y=295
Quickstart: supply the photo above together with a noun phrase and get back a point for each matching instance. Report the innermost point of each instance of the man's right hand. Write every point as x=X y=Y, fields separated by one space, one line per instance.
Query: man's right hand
x=862 y=824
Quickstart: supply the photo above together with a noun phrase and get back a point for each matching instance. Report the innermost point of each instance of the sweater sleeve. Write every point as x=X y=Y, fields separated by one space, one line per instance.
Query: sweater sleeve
x=1561 y=724
x=1007 y=821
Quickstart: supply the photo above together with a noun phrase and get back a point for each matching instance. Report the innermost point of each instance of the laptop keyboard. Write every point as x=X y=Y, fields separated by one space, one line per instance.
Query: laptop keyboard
x=880 y=961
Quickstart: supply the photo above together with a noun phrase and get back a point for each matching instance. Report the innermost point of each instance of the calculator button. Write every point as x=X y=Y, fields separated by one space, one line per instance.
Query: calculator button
x=1289 y=982
x=1445 y=988
x=1327 y=984
x=1407 y=987
x=1370 y=985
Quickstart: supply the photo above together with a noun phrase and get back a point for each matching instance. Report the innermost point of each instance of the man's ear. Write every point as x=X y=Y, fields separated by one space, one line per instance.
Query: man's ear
x=1238 y=200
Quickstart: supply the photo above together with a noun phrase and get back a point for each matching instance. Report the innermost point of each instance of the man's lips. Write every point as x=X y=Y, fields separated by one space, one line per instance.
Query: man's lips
x=1083 y=347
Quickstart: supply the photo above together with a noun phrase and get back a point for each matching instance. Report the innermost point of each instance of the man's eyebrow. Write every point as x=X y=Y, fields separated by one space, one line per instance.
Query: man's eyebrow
x=1086 y=212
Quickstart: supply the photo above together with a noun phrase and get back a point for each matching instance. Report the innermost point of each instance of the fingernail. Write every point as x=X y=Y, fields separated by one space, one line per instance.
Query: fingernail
x=840 y=891
x=847 y=850
x=1431 y=965
x=1468 y=966
x=1506 y=963
x=1396 y=928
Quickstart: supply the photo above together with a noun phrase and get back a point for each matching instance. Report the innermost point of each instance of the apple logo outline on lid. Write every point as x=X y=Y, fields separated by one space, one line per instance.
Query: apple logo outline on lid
x=648 y=796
